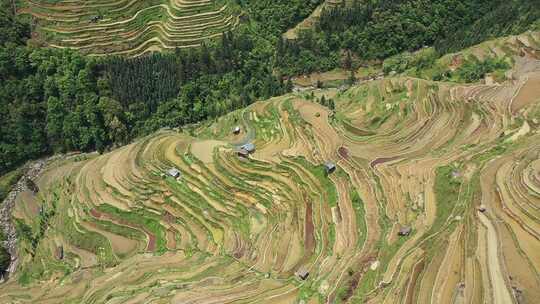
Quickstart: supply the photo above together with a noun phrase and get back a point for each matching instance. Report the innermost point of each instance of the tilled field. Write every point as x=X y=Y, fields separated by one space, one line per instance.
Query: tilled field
x=454 y=168
x=127 y=27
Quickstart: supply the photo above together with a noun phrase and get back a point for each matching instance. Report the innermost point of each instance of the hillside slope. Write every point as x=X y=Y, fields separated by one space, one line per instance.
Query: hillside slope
x=128 y=27
x=367 y=31
x=412 y=155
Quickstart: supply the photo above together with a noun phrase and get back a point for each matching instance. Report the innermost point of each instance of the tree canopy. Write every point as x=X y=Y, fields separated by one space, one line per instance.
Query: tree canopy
x=378 y=29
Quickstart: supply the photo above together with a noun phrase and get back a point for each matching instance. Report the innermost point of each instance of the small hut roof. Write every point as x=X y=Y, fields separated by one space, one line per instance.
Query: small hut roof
x=329 y=165
x=405 y=230
x=173 y=172
x=250 y=147
x=302 y=273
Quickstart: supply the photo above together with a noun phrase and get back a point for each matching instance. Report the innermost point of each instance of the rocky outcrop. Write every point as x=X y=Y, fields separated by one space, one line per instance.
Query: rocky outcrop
x=32 y=171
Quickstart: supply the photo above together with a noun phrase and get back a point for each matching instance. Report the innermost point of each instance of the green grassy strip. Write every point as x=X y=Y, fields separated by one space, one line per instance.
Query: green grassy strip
x=386 y=251
x=267 y=126
x=239 y=182
x=198 y=204
x=141 y=217
x=328 y=191
x=294 y=115
x=124 y=231
x=360 y=214
x=447 y=193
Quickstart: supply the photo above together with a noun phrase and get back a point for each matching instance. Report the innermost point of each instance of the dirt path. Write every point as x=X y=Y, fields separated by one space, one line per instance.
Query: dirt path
x=501 y=295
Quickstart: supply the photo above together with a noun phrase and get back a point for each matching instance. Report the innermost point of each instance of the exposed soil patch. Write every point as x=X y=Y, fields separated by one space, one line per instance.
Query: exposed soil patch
x=95 y=213
x=356 y=276
x=528 y=93
x=343 y=152
x=382 y=160
x=169 y=218
x=417 y=270
x=151 y=242
x=171 y=240
x=309 y=239
x=204 y=150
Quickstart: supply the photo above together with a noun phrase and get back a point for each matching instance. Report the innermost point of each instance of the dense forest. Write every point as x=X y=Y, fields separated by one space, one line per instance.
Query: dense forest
x=187 y=86
x=374 y=30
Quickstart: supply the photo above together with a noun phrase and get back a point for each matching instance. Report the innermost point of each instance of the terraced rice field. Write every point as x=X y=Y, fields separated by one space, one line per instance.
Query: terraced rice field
x=409 y=153
x=128 y=27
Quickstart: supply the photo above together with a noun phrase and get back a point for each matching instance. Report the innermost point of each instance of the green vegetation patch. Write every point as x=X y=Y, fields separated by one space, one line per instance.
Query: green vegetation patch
x=474 y=69
x=447 y=194
x=328 y=190
x=366 y=31
x=360 y=214
x=8 y=180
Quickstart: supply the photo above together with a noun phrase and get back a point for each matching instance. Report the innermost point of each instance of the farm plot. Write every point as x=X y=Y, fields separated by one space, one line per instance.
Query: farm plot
x=128 y=27
x=411 y=191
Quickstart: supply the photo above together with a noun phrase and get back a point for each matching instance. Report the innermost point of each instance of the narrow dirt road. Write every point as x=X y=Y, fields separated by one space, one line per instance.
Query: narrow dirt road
x=501 y=295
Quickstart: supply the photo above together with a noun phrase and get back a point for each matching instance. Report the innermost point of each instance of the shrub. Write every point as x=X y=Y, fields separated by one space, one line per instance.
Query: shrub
x=398 y=63
x=422 y=59
x=473 y=69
